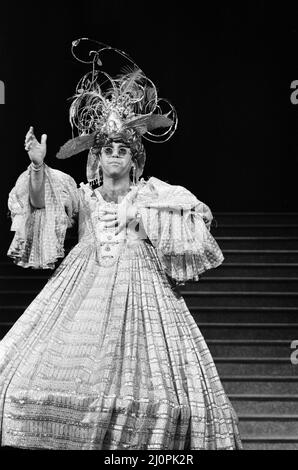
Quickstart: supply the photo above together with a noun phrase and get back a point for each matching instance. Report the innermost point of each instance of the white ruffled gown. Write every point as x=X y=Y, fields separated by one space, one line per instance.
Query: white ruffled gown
x=108 y=356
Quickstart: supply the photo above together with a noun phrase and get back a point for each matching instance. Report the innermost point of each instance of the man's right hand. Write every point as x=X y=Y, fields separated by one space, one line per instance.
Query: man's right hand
x=36 y=151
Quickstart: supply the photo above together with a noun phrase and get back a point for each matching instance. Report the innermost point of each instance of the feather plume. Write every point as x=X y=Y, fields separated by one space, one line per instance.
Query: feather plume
x=76 y=145
x=148 y=122
x=159 y=120
x=130 y=79
x=128 y=83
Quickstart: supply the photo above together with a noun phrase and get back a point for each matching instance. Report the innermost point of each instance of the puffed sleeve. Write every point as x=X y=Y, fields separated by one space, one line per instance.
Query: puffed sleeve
x=178 y=226
x=40 y=232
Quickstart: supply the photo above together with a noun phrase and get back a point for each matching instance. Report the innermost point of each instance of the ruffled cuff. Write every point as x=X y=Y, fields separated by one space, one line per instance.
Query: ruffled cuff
x=40 y=233
x=183 y=242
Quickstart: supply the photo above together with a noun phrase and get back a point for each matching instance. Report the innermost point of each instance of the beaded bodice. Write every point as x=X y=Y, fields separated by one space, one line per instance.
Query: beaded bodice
x=92 y=229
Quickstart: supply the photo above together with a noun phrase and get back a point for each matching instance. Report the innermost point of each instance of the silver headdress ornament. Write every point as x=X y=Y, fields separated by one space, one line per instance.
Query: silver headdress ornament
x=125 y=108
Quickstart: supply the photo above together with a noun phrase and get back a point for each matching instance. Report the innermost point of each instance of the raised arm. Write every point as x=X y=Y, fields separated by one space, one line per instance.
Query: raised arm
x=37 y=152
x=43 y=203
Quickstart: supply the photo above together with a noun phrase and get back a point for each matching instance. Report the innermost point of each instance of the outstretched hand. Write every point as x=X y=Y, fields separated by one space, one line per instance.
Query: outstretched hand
x=119 y=217
x=36 y=151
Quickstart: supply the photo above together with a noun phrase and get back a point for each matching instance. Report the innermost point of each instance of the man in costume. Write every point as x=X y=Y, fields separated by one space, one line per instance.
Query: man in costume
x=108 y=356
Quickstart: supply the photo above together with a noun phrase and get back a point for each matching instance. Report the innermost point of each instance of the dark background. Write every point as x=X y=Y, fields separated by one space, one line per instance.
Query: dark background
x=227 y=67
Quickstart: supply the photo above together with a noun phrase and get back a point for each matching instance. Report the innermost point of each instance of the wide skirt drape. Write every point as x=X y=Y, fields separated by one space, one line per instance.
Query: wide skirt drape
x=109 y=357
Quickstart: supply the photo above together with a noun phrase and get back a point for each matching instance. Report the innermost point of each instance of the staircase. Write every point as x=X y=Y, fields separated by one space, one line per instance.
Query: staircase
x=247 y=310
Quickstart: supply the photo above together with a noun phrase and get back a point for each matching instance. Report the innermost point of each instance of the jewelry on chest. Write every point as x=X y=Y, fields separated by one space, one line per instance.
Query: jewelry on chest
x=108 y=244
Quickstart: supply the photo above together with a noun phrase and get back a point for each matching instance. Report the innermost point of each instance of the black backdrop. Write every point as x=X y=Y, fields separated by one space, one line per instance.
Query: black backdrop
x=226 y=67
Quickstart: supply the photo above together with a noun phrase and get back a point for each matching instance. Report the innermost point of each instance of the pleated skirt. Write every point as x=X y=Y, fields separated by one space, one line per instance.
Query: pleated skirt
x=109 y=357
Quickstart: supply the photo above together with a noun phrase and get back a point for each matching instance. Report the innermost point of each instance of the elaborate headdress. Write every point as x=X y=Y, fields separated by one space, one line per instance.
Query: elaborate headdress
x=124 y=108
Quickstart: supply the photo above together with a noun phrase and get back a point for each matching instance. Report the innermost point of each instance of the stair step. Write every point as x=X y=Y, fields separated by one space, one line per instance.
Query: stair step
x=237 y=224
x=223 y=313
x=261 y=255
x=269 y=446
x=257 y=230
x=10 y=313
x=245 y=283
x=255 y=217
x=242 y=348
x=263 y=398
x=255 y=366
x=268 y=424
x=236 y=384
x=216 y=330
x=252 y=242
x=253 y=270
x=269 y=442
x=23 y=282
x=241 y=299
x=264 y=404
